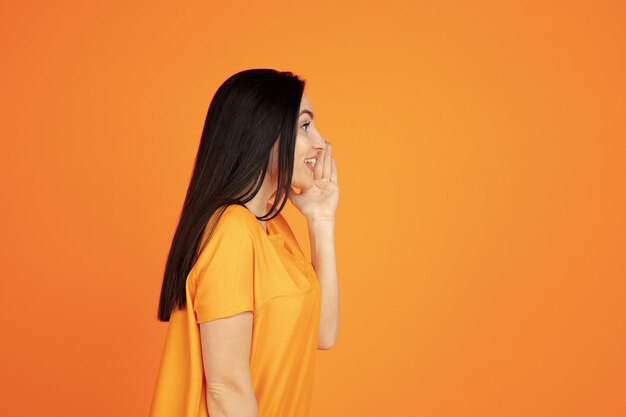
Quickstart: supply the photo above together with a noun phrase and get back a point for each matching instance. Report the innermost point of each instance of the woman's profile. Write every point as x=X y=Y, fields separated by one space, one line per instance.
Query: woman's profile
x=247 y=311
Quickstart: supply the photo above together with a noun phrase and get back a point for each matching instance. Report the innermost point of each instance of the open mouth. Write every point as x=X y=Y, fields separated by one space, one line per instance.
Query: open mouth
x=310 y=163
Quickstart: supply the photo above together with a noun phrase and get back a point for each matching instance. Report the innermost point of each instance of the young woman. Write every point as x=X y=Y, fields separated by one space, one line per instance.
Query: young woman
x=246 y=310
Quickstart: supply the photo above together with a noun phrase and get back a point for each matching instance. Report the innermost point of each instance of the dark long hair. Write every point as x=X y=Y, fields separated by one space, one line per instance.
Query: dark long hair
x=249 y=112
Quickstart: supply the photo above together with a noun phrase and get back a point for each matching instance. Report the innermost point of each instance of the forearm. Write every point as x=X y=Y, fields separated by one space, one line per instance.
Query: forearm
x=231 y=402
x=323 y=259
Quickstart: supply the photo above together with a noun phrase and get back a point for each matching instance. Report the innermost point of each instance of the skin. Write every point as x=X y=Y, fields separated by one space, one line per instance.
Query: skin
x=317 y=201
x=226 y=341
x=319 y=195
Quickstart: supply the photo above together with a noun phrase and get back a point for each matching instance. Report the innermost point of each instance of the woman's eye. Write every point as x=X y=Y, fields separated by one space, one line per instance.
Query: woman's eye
x=306 y=125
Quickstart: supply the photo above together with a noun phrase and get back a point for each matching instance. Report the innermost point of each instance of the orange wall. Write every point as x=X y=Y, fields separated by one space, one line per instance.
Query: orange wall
x=480 y=230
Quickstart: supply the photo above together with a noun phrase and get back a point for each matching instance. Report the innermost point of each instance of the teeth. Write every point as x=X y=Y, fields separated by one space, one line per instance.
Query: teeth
x=310 y=161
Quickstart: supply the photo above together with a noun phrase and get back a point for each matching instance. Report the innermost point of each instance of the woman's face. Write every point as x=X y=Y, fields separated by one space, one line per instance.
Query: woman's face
x=309 y=144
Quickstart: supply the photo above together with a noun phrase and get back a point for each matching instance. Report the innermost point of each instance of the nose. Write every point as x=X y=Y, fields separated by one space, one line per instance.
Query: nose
x=320 y=143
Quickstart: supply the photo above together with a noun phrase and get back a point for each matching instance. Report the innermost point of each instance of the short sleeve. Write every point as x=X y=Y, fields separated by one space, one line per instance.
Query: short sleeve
x=225 y=277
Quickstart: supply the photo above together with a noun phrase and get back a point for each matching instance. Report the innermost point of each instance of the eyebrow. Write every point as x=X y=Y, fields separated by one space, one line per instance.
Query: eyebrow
x=306 y=111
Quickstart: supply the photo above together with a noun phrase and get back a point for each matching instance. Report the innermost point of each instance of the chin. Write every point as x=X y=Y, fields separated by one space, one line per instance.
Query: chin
x=302 y=183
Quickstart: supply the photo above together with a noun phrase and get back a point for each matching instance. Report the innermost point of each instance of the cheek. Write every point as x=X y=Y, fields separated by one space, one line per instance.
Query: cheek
x=301 y=149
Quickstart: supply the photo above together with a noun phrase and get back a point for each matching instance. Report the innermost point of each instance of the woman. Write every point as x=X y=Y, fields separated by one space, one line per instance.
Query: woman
x=246 y=310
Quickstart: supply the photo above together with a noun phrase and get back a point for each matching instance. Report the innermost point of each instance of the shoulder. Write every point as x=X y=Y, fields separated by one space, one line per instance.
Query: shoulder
x=238 y=213
x=228 y=226
x=235 y=219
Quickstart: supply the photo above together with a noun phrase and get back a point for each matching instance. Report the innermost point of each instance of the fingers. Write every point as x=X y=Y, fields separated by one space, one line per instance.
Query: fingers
x=318 y=168
x=327 y=161
x=333 y=172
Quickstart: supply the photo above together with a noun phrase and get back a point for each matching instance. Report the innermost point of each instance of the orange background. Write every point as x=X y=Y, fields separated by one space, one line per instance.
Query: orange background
x=480 y=231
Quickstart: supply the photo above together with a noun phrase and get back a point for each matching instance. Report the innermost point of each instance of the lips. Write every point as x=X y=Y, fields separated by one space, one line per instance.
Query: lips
x=312 y=166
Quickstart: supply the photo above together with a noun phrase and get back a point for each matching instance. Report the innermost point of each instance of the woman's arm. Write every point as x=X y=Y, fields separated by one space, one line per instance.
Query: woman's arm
x=226 y=344
x=322 y=238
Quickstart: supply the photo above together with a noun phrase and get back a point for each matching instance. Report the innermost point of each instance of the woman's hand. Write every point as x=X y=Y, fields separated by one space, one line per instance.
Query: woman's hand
x=320 y=201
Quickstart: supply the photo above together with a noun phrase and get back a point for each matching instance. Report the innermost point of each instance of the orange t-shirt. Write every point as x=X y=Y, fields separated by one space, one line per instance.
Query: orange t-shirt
x=245 y=268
